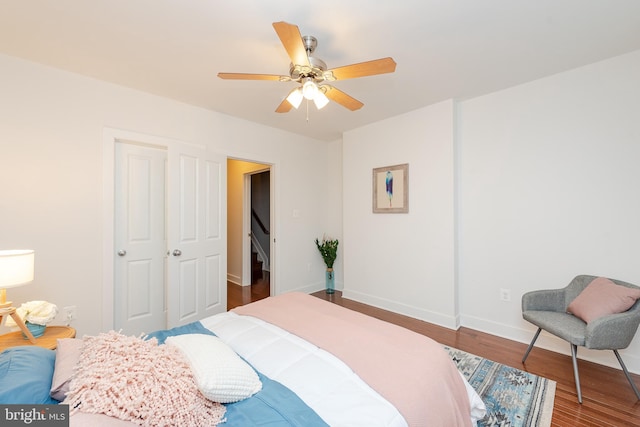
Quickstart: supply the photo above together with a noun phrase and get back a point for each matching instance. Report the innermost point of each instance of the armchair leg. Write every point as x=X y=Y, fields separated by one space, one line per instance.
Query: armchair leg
x=574 y=352
x=626 y=373
x=533 y=341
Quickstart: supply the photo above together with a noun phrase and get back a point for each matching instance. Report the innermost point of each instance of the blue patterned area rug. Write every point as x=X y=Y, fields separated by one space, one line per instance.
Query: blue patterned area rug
x=513 y=397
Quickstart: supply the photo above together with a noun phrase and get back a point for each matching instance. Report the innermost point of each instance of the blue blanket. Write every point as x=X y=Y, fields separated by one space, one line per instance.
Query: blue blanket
x=274 y=406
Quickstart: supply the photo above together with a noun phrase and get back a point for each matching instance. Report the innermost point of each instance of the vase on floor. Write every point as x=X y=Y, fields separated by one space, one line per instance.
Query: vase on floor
x=330 y=282
x=36 y=330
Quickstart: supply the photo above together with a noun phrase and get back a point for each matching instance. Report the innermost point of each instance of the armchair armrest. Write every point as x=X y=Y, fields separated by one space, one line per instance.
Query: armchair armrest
x=544 y=300
x=611 y=332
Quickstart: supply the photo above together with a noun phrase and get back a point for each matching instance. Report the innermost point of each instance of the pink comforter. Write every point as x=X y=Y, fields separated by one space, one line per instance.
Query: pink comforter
x=410 y=370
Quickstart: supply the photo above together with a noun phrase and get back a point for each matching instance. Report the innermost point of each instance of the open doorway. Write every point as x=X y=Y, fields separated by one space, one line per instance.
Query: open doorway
x=260 y=225
x=249 y=232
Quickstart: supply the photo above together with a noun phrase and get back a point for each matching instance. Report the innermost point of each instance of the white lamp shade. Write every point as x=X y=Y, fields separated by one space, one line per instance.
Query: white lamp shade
x=309 y=89
x=295 y=97
x=320 y=99
x=16 y=267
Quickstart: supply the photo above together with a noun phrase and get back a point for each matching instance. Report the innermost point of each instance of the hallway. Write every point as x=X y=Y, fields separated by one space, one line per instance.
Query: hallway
x=240 y=295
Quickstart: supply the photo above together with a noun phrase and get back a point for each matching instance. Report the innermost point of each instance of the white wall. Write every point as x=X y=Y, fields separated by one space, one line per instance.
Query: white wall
x=403 y=262
x=545 y=189
x=51 y=125
x=334 y=208
x=548 y=175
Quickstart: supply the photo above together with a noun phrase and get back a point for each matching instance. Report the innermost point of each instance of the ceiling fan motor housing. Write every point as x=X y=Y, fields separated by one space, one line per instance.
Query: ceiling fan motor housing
x=317 y=67
x=316 y=70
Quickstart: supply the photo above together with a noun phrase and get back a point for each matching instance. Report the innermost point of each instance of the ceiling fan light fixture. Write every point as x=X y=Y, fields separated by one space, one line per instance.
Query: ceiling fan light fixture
x=309 y=89
x=320 y=99
x=295 y=98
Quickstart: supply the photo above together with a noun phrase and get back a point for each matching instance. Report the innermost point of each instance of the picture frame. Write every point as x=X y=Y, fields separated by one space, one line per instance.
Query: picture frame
x=391 y=189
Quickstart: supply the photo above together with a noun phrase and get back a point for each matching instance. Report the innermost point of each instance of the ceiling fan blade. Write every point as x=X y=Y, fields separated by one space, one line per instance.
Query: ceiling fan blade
x=292 y=41
x=246 y=76
x=342 y=98
x=284 y=106
x=363 y=69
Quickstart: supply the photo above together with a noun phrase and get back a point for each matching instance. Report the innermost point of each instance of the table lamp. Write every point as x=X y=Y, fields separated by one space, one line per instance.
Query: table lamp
x=16 y=269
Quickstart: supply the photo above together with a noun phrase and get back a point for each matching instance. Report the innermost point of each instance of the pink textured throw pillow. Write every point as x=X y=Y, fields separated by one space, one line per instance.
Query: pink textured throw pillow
x=137 y=380
x=602 y=297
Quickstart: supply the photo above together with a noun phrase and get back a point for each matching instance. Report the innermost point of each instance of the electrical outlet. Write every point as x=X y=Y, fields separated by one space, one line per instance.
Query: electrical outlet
x=70 y=313
x=505 y=294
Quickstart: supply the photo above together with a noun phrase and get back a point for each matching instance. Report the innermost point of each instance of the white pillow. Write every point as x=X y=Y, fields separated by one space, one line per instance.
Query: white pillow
x=221 y=375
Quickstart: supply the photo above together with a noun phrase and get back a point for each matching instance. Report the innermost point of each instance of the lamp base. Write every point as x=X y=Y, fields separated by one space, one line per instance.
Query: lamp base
x=11 y=311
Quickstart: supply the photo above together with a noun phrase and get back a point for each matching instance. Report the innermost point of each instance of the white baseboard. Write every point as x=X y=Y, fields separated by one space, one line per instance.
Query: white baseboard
x=309 y=289
x=441 y=319
x=236 y=280
x=550 y=342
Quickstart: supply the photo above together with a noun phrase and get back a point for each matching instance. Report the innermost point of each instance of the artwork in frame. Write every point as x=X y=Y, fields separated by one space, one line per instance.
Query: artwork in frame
x=391 y=189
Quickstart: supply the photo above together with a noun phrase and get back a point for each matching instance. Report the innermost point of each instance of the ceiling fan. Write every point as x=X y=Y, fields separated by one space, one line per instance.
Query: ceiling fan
x=312 y=72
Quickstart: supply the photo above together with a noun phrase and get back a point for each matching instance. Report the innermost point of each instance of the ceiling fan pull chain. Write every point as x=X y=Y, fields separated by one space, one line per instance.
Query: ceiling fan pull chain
x=307 y=111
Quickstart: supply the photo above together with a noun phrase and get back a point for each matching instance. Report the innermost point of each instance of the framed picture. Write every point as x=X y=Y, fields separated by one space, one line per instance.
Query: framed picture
x=391 y=189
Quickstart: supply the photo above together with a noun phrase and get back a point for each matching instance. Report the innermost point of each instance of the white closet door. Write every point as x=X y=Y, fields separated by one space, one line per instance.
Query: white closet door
x=140 y=238
x=197 y=262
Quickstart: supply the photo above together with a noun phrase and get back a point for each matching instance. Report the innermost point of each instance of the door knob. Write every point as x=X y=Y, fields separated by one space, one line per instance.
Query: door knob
x=177 y=252
x=122 y=252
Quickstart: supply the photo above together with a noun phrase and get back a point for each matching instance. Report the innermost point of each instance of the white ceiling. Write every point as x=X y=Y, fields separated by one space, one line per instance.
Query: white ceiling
x=444 y=48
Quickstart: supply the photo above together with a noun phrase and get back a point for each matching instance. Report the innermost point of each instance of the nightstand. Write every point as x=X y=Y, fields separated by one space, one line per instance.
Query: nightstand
x=47 y=340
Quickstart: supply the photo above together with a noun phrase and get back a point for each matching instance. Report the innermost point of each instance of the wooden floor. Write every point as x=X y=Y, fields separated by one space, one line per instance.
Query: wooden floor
x=608 y=399
x=240 y=295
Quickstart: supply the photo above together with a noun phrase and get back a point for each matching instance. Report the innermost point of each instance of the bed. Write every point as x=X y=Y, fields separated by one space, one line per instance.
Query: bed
x=310 y=363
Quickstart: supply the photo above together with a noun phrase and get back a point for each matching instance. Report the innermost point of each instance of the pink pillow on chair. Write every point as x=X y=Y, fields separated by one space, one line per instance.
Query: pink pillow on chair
x=602 y=297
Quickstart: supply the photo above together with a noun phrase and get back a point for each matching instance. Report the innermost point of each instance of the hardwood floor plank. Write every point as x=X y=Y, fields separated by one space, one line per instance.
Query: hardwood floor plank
x=608 y=399
x=240 y=295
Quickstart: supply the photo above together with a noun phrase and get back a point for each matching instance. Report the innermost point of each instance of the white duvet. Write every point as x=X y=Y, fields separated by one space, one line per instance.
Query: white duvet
x=320 y=379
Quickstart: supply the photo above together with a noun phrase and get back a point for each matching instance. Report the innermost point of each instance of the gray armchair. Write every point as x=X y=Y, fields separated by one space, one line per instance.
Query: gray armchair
x=547 y=309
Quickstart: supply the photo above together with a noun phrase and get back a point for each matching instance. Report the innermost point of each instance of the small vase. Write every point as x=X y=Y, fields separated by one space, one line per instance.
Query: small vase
x=36 y=330
x=330 y=285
